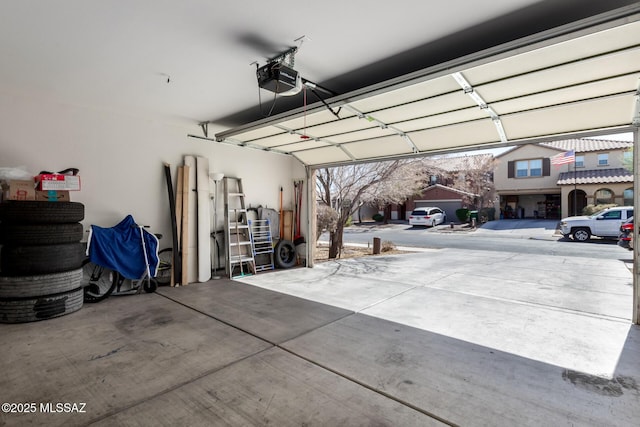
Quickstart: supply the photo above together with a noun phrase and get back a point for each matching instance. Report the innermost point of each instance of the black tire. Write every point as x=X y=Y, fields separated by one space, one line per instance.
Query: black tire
x=285 y=254
x=40 y=234
x=163 y=273
x=20 y=310
x=98 y=282
x=581 y=234
x=33 y=260
x=41 y=212
x=45 y=284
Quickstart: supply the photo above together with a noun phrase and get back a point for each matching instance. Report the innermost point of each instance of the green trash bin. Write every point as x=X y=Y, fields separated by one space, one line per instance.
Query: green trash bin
x=473 y=215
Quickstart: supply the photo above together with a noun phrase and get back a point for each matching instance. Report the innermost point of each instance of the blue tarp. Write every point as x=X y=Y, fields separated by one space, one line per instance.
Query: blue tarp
x=120 y=248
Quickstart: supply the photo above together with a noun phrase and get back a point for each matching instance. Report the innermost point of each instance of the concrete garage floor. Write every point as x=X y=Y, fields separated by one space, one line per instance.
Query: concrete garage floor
x=441 y=337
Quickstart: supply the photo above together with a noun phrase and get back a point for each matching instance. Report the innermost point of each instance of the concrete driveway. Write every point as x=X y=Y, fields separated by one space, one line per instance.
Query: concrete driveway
x=500 y=338
x=439 y=337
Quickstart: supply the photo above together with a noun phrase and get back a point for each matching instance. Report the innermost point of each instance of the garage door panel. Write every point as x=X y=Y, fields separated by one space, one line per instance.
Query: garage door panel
x=564 y=76
x=602 y=42
x=449 y=102
x=577 y=117
x=571 y=94
x=460 y=135
x=284 y=138
x=257 y=134
x=461 y=116
x=426 y=89
x=303 y=145
x=323 y=155
x=375 y=132
x=316 y=118
x=388 y=146
x=338 y=127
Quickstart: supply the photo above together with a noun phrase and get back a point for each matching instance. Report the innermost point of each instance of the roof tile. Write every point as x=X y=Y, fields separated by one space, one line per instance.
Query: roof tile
x=587 y=145
x=595 y=176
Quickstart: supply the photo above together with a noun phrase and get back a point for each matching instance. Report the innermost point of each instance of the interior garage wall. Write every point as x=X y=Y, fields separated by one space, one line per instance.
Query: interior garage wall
x=121 y=156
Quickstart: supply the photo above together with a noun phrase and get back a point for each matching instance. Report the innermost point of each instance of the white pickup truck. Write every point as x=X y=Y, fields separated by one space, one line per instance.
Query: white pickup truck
x=605 y=223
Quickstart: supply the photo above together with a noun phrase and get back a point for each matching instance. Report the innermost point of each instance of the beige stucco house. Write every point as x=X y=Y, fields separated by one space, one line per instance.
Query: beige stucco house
x=528 y=185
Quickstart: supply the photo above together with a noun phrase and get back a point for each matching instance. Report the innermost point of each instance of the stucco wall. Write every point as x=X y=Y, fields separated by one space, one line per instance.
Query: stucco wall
x=503 y=184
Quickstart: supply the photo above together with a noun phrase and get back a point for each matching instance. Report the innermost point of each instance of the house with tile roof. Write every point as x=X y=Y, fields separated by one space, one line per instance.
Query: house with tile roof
x=529 y=185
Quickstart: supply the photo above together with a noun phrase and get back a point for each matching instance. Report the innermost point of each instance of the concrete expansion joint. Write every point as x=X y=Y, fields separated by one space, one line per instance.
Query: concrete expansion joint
x=282 y=346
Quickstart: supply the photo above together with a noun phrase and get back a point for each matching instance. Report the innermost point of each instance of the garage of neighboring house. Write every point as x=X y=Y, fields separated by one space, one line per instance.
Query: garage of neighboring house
x=446 y=198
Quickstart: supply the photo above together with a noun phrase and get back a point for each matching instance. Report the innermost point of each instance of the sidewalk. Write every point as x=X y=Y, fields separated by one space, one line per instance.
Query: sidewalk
x=545 y=229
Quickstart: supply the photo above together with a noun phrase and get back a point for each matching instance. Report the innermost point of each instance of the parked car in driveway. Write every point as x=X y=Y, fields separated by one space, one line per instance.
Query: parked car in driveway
x=605 y=223
x=625 y=240
x=429 y=216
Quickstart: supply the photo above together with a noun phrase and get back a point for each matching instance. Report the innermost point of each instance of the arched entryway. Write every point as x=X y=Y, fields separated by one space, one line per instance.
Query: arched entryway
x=577 y=202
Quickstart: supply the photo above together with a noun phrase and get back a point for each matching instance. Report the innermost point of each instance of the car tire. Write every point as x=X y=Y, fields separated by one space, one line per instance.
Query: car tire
x=41 y=212
x=40 y=234
x=44 y=284
x=21 y=310
x=581 y=234
x=285 y=254
x=34 y=260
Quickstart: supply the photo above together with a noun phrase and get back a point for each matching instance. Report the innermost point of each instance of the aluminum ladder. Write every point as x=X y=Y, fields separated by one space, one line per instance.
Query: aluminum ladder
x=239 y=253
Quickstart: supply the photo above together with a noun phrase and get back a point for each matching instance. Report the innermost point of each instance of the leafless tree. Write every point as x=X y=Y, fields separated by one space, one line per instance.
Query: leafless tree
x=475 y=176
x=346 y=188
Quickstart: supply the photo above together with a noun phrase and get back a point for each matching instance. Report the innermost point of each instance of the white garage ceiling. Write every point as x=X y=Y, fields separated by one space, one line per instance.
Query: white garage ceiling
x=583 y=80
x=119 y=54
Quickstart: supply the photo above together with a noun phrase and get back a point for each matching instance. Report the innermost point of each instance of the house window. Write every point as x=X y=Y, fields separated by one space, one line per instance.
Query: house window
x=603 y=159
x=580 y=161
x=628 y=197
x=528 y=168
x=604 y=196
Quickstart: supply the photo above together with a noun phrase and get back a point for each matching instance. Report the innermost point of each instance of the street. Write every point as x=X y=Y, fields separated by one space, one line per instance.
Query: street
x=503 y=236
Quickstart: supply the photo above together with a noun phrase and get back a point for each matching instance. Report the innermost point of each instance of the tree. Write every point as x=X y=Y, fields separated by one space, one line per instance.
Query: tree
x=475 y=175
x=346 y=188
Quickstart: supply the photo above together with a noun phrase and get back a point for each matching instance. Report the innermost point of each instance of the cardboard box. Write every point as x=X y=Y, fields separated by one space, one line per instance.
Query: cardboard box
x=58 y=182
x=53 y=195
x=19 y=190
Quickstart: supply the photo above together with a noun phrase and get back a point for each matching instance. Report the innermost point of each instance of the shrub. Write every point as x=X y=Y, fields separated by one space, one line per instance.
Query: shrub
x=489 y=213
x=387 y=246
x=378 y=218
x=327 y=220
x=594 y=209
x=462 y=214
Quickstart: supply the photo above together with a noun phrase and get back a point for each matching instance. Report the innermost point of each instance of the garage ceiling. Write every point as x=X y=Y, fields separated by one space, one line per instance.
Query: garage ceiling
x=582 y=78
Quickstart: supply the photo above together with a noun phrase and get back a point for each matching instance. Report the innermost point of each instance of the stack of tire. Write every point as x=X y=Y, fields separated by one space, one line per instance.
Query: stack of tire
x=40 y=260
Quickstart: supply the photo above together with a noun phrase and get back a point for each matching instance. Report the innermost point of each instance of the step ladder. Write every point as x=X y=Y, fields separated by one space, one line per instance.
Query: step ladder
x=262 y=244
x=239 y=253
